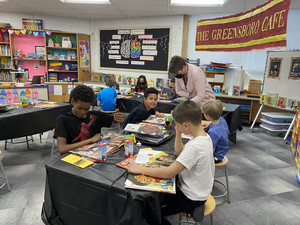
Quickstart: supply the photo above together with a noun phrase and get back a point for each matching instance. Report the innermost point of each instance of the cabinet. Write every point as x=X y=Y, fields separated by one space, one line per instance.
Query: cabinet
x=5 y=57
x=215 y=78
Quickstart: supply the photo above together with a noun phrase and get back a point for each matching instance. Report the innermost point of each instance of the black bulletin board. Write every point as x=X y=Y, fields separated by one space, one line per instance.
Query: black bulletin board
x=135 y=49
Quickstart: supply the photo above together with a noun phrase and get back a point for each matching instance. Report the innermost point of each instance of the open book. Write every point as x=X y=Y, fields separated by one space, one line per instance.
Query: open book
x=152 y=158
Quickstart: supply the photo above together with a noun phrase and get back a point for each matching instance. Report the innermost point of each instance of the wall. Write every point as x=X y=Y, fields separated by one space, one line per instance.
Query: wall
x=175 y=22
x=254 y=61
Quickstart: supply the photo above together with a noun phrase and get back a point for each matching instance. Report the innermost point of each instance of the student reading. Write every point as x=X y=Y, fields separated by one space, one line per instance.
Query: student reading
x=141 y=84
x=190 y=81
x=81 y=126
x=145 y=109
x=194 y=165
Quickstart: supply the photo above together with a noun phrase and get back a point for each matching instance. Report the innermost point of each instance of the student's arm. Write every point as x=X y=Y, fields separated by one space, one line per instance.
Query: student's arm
x=63 y=147
x=158 y=114
x=98 y=103
x=98 y=99
x=160 y=172
x=178 y=143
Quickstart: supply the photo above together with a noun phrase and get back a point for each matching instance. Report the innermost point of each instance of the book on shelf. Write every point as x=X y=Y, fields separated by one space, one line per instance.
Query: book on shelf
x=152 y=158
x=103 y=77
x=217 y=89
x=159 y=83
x=281 y=102
x=236 y=90
x=291 y=104
x=263 y=99
x=119 y=78
x=219 y=78
x=150 y=82
x=272 y=98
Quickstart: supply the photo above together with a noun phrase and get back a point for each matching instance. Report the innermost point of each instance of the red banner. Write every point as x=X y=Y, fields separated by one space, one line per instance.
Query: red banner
x=259 y=28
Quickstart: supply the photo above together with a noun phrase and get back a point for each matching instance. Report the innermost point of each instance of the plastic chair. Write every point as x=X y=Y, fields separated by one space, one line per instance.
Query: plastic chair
x=3 y=172
x=198 y=213
x=226 y=187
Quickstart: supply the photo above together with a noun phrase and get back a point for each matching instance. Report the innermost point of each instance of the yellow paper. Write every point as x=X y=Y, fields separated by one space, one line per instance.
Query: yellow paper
x=51 y=102
x=223 y=108
x=146 y=148
x=18 y=103
x=77 y=161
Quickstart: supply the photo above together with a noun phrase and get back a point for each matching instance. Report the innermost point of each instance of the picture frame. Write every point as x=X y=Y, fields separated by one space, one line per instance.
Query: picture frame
x=40 y=50
x=274 y=68
x=294 y=73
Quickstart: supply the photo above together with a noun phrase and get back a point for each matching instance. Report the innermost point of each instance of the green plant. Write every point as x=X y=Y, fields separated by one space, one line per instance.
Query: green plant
x=56 y=39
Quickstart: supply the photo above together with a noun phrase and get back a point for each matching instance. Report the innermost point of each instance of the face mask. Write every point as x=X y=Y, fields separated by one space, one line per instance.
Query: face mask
x=179 y=76
x=142 y=82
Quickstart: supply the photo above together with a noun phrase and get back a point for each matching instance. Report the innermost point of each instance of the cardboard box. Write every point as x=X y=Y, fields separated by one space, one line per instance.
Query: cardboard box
x=96 y=77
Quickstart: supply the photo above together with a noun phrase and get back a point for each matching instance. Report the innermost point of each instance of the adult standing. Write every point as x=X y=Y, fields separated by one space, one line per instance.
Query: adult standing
x=190 y=81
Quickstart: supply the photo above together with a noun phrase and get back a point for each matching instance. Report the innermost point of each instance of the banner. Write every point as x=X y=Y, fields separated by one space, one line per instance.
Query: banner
x=259 y=28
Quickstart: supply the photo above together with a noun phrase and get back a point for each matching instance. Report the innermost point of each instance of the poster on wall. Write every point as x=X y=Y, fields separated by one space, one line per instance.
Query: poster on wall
x=138 y=49
x=32 y=24
x=275 y=64
x=295 y=68
x=84 y=54
x=262 y=27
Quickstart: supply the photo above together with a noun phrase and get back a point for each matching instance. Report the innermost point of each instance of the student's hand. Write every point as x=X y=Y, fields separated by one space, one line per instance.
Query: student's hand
x=206 y=124
x=161 y=115
x=119 y=117
x=135 y=168
x=96 y=137
x=177 y=131
x=194 y=92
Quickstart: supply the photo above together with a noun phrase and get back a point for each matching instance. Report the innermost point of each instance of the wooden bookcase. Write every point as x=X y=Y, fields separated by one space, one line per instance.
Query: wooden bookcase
x=210 y=76
x=5 y=58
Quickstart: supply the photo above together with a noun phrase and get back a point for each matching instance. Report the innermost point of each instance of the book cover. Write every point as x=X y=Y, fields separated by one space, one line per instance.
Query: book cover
x=159 y=83
x=217 y=89
x=119 y=78
x=129 y=80
x=130 y=127
x=281 y=102
x=236 y=90
x=291 y=104
x=152 y=158
x=263 y=99
x=124 y=164
x=154 y=119
x=150 y=129
x=150 y=82
x=113 y=141
x=102 y=77
x=272 y=98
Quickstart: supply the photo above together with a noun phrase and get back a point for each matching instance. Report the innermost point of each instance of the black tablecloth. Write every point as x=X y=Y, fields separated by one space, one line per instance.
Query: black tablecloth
x=96 y=195
x=27 y=121
x=232 y=113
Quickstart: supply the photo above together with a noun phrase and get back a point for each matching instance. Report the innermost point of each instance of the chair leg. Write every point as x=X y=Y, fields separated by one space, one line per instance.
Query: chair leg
x=32 y=139
x=27 y=142
x=227 y=184
x=5 y=145
x=4 y=175
x=52 y=149
x=211 y=219
x=41 y=137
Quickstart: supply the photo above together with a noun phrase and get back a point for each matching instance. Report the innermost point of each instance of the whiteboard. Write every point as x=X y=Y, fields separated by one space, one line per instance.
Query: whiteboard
x=285 y=84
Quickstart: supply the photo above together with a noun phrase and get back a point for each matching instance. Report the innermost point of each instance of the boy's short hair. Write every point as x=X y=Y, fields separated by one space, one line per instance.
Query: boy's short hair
x=188 y=111
x=176 y=64
x=82 y=93
x=109 y=82
x=149 y=91
x=213 y=108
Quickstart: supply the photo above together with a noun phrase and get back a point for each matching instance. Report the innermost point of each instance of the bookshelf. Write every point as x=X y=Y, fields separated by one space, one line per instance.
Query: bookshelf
x=215 y=78
x=5 y=58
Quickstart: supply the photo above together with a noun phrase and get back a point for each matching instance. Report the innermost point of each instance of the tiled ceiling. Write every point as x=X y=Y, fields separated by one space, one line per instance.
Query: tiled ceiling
x=124 y=8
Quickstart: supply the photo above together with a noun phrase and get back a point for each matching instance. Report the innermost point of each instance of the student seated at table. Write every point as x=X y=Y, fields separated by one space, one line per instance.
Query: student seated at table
x=141 y=84
x=145 y=109
x=116 y=86
x=194 y=165
x=107 y=97
x=81 y=126
x=218 y=128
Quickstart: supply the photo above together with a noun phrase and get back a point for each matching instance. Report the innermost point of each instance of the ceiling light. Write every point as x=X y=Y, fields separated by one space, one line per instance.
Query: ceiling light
x=197 y=2
x=3 y=0
x=86 y=1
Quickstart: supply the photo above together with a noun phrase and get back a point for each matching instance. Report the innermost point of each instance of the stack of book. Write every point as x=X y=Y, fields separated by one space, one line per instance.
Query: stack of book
x=254 y=88
x=217 y=67
x=52 y=77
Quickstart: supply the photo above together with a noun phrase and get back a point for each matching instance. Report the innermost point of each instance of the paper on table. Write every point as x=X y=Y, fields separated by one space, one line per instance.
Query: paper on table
x=144 y=155
x=77 y=161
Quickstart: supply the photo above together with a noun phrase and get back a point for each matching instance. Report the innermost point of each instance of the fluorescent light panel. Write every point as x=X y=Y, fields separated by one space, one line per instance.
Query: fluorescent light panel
x=3 y=0
x=197 y=2
x=86 y=1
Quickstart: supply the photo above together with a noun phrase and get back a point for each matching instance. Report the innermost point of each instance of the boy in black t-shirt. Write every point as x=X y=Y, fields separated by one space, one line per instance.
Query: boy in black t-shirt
x=81 y=126
x=145 y=109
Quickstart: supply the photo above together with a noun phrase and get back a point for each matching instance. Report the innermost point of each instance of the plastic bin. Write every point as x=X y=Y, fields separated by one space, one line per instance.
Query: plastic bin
x=278 y=117
x=273 y=132
x=275 y=126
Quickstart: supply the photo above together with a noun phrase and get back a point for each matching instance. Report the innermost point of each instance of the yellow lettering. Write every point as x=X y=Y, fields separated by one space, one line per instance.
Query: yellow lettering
x=256 y=29
x=224 y=33
x=275 y=18
x=206 y=35
x=270 y=23
x=229 y=33
x=219 y=34
x=280 y=20
x=213 y=34
x=263 y=28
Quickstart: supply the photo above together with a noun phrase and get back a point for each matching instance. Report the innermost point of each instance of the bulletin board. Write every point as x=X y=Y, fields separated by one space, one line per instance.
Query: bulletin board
x=135 y=49
x=282 y=73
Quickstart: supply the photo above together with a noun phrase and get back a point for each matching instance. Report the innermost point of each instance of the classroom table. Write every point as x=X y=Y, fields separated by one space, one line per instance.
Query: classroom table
x=20 y=122
x=96 y=194
x=232 y=112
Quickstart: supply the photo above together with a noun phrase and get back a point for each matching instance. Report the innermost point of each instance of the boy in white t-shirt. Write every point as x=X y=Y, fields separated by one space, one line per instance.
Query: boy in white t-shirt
x=194 y=165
